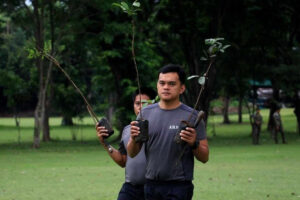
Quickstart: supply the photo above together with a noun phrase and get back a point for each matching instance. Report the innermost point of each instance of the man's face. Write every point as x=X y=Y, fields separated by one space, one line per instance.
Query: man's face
x=137 y=105
x=169 y=86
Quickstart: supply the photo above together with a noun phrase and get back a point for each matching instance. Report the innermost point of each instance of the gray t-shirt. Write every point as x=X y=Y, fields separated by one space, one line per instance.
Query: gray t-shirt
x=135 y=168
x=277 y=119
x=162 y=153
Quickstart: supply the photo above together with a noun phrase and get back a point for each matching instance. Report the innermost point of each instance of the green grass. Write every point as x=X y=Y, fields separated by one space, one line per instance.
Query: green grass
x=66 y=169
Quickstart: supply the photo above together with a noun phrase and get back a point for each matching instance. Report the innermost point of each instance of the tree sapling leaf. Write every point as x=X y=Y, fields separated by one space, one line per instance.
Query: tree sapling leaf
x=201 y=80
x=136 y=4
x=193 y=76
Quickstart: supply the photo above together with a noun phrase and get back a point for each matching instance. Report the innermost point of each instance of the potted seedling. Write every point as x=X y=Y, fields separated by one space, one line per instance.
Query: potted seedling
x=215 y=47
x=131 y=11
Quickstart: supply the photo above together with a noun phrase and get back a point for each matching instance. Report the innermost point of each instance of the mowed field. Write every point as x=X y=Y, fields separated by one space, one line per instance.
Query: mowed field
x=81 y=169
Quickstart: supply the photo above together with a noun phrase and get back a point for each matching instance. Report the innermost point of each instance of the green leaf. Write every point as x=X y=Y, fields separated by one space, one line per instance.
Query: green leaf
x=117 y=5
x=201 y=80
x=125 y=6
x=157 y=98
x=193 y=76
x=203 y=58
x=217 y=39
x=136 y=4
x=226 y=46
x=210 y=41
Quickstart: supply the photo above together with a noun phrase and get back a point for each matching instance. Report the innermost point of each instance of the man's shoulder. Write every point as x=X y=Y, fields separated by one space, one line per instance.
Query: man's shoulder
x=185 y=108
x=151 y=106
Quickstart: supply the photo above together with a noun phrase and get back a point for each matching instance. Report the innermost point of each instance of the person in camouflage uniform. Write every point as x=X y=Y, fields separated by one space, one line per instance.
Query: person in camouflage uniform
x=278 y=126
x=257 y=121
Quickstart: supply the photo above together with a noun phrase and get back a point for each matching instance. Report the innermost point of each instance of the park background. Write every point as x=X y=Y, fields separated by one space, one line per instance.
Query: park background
x=92 y=41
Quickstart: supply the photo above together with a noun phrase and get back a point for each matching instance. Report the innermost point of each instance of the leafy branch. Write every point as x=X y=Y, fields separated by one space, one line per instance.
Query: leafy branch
x=132 y=11
x=215 y=47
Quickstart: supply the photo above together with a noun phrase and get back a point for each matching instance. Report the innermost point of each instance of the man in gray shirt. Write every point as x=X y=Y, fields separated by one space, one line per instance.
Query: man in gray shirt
x=257 y=121
x=135 y=168
x=169 y=175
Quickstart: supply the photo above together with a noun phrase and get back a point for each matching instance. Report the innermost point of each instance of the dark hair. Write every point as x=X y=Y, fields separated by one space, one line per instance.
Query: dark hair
x=146 y=91
x=174 y=68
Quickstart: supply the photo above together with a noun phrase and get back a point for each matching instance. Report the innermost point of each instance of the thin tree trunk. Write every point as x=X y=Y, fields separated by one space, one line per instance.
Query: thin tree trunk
x=225 y=111
x=47 y=101
x=17 y=120
x=273 y=106
x=112 y=102
x=67 y=121
x=240 y=109
x=39 y=39
x=297 y=110
x=46 y=106
x=37 y=124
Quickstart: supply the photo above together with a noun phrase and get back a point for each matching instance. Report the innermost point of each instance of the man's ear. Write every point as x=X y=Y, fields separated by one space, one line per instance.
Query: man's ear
x=182 y=89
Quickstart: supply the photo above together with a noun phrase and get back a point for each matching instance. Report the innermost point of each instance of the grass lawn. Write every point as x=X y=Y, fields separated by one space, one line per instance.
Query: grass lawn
x=66 y=169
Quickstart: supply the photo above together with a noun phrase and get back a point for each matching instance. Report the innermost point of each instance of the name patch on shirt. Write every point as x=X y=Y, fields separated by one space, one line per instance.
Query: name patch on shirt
x=173 y=127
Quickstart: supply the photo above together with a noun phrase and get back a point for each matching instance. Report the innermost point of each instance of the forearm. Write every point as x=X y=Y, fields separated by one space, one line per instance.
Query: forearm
x=202 y=152
x=133 y=148
x=116 y=156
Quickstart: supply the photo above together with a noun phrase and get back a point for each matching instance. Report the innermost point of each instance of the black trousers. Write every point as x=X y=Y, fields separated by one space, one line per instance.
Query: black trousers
x=256 y=134
x=131 y=192
x=169 y=190
x=275 y=135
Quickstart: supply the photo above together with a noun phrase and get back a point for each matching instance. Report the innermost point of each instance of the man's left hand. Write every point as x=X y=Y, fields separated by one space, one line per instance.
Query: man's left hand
x=188 y=135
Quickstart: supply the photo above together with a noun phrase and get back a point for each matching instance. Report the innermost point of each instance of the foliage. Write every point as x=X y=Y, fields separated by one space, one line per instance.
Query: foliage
x=93 y=44
x=14 y=74
x=215 y=47
x=130 y=10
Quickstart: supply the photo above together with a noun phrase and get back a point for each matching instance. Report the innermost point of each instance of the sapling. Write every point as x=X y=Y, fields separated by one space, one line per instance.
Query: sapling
x=43 y=53
x=215 y=48
x=131 y=11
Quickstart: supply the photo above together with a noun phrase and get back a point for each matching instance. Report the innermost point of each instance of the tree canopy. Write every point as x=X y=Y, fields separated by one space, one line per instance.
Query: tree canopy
x=92 y=41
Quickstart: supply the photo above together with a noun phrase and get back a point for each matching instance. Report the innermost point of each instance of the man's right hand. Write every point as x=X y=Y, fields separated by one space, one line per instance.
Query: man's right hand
x=134 y=130
x=133 y=148
x=101 y=133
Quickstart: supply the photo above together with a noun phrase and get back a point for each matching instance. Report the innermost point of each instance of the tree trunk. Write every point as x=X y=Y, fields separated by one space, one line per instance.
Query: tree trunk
x=273 y=107
x=297 y=110
x=225 y=111
x=67 y=121
x=46 y=129
x=240 y=110
x=110 y=110
x=37 y=123
x=40 y=114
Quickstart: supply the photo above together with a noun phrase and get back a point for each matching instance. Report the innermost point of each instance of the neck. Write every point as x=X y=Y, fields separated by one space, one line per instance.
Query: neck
x=169 y=105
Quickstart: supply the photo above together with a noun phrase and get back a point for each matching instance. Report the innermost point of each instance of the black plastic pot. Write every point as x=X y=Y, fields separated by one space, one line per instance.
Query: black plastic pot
x=144 y=128
x=183 y=125
x=104 y=122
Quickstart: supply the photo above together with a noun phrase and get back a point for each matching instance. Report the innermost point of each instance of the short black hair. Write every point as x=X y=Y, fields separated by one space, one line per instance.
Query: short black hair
x=174 y=68
x=146 y=91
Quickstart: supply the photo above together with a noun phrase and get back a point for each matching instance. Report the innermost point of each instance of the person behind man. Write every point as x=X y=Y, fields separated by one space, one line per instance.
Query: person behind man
x=257 y=121
x=278 y=126
x=168 y=175
x=135 y=168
